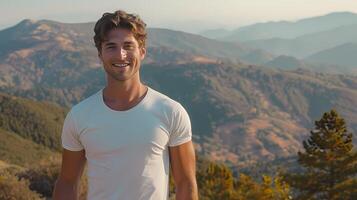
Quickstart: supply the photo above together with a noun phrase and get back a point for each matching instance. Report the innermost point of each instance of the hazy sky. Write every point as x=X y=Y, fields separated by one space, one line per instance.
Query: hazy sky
x=188 y=15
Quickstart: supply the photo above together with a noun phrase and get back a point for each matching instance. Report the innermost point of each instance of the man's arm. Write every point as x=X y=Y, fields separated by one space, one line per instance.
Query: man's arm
x=183 y=165
x=66 y=187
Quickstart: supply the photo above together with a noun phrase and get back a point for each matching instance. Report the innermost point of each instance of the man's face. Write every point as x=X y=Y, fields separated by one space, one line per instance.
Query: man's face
x=121 y=55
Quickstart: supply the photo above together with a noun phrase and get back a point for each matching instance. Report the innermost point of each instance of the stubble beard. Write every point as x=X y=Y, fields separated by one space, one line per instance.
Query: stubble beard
x=127 y=75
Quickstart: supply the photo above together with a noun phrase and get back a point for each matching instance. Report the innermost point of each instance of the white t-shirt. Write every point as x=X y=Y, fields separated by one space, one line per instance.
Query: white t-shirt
x=127 y=151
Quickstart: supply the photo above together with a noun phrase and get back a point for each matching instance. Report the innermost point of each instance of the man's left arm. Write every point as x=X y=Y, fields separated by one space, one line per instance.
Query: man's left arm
x=183 y=165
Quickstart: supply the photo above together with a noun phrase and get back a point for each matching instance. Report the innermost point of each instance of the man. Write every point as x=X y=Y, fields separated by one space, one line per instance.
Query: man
x=127 y=132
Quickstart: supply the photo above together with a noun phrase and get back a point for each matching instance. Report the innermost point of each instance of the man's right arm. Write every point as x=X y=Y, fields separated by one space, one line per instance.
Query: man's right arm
x=66 y=187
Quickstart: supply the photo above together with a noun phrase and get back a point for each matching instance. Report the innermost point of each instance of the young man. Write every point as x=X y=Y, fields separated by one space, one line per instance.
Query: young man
x=127 y=132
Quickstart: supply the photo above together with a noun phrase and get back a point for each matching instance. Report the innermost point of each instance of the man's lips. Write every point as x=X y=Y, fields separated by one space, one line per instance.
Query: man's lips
x=120 y=64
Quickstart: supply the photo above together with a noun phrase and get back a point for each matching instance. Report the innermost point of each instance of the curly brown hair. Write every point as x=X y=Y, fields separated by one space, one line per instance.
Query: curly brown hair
x=119 y=19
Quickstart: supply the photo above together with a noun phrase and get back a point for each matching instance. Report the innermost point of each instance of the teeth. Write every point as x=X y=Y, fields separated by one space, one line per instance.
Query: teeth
x=120 y=65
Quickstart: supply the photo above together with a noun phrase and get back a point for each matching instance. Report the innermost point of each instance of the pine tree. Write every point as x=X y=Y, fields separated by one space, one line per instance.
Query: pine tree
x=329 y=160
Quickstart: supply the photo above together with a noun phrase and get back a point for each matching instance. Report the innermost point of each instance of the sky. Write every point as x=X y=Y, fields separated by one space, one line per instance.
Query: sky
x=186 y=15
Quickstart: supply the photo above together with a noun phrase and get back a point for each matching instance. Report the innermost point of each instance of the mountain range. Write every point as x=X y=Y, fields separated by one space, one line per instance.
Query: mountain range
x=284 y=29
x=319 y=42
x=240 y=113
x=309 y=44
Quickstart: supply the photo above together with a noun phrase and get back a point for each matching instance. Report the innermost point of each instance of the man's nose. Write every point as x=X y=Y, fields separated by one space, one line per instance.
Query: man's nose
x=123 y=53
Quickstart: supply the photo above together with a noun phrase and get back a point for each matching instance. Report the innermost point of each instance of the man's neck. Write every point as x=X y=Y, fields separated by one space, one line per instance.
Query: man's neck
x=123 y=95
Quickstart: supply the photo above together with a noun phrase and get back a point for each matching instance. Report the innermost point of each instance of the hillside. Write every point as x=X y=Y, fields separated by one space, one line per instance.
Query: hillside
x=39 y=122
x=29 y=130
x=263 y=113
x=15 y=149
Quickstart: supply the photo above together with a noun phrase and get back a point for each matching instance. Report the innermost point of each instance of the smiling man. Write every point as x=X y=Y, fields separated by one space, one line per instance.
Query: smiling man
x=128 y=133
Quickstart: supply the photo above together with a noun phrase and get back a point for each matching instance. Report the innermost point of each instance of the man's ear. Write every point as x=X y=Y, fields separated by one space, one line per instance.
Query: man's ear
x=142 y=52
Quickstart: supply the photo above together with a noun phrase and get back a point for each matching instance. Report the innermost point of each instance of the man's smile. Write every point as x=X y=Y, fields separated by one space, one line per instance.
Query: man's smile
x=120 y=64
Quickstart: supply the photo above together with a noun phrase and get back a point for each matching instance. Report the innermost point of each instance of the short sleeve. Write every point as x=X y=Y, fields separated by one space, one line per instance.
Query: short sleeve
x=181 y=127
x=70 y=135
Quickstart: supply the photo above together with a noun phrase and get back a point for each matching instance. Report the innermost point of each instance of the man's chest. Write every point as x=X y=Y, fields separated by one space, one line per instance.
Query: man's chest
x=124 y=134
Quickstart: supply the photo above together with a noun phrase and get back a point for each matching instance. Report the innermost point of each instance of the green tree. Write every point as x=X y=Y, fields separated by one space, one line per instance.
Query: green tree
x=329 y=160
x=269 y=188
x=215 y=181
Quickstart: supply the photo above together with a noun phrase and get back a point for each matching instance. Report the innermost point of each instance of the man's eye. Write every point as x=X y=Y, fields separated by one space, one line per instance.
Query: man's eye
x=128 y=46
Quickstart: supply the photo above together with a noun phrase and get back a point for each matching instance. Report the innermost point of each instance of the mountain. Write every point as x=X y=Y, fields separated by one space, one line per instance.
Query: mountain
x=240 y=113
x=28 y=40
x=215 y=33
x=196 y=44
x=291 y=63
x=258 y=57
x=285 y=62
x=309 y=44
x=27 y=44
x=343 y=55
x=290 y=30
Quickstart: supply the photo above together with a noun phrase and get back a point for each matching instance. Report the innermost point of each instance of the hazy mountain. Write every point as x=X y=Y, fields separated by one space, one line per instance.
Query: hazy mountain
x=309 y=44
x=258 y=57
x=285 y=62
x=196 y=44
x=240 y=113
x=292 y=63
x=290 y=30
x=344 y=55
x=215 y=33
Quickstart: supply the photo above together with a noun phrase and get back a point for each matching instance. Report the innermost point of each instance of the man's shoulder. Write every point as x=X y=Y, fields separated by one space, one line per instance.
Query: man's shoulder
x=163 y=101
x=87 y=104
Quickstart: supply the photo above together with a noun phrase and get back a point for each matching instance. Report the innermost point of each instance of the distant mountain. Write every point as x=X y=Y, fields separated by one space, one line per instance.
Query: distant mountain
x=344 y=55
x=196 y=44
x=292 y=63
x=309 y=44
x=290 y=30
x=285 y=62
x=215 y=33
x=258 y=57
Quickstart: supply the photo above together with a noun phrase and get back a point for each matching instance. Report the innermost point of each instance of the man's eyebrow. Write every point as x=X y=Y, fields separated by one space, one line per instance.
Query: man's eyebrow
x=109 y=44
x=128 y=42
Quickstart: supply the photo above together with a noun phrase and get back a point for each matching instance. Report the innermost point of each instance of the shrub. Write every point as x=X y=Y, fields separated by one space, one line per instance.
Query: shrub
x=13 y=188
x=43 y=177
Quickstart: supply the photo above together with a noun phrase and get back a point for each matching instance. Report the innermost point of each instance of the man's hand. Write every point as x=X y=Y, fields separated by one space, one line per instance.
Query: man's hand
x=183 y=164
x=66 y=187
